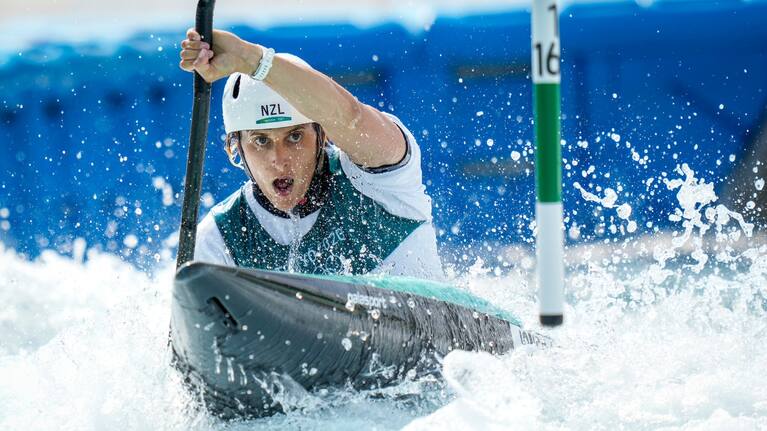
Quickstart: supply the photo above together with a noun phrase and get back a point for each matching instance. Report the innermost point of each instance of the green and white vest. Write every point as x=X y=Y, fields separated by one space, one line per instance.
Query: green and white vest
x=352 y=234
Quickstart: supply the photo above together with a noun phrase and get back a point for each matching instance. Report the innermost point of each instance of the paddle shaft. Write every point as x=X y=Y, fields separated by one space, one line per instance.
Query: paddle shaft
x=197 y=136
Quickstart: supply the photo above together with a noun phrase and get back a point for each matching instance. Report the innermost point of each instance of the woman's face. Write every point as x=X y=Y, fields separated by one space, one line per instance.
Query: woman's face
x=282 y=161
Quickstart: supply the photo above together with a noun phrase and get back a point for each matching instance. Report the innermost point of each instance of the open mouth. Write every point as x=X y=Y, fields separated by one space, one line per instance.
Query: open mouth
x=283 y=186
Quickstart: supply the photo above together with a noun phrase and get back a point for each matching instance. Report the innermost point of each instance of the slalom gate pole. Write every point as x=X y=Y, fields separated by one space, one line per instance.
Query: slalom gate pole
x=549 y=246
x=197 y=136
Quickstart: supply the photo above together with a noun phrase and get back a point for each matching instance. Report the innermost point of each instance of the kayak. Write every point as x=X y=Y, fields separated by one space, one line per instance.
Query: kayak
x=244 y=338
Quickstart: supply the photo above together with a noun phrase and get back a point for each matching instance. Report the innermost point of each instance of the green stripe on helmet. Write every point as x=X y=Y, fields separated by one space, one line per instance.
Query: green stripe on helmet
x=273 y=120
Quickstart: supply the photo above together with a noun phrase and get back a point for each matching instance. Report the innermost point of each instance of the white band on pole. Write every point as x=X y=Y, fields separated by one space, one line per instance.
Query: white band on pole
x=550 y=256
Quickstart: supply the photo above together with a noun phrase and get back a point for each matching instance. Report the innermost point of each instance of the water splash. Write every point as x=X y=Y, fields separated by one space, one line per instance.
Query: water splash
x=651 y=341
x=663 y=331
x=696 y=198
x=609 y=201
x=634 y=354
x=84 y=346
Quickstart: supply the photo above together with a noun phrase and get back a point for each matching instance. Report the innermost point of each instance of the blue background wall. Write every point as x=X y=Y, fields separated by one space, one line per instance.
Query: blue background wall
x=94 y=133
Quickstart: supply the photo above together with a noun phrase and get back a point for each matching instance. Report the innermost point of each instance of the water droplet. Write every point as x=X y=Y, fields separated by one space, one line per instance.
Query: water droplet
x=299 y=295
x=632 y=226
x=375 y=314
x=410 y=303
x=130 y=241
x=347 y=343
x=624 y=211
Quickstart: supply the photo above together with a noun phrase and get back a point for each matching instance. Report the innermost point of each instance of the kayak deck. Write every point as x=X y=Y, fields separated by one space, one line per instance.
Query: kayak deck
x=246 y=336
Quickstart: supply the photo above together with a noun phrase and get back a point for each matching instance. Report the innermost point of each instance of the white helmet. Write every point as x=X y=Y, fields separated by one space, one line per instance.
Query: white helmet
x=251 y=104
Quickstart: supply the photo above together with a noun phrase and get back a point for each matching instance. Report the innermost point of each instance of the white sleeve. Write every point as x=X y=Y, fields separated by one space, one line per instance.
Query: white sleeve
x=399 y=190
x=209 y=245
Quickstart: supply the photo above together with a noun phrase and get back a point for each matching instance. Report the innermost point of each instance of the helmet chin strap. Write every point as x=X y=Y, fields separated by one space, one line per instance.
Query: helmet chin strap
x=243 y=160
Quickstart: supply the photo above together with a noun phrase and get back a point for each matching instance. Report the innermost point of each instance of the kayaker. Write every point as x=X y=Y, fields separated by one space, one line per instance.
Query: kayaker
x=335 y=185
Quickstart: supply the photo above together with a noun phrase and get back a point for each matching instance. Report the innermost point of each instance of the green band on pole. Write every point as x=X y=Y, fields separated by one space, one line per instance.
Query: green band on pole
x=548 y=156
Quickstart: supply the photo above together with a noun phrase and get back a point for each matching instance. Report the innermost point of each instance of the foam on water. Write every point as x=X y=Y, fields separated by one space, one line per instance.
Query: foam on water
x=84 y=346
x=635 y=354
x=663 y=332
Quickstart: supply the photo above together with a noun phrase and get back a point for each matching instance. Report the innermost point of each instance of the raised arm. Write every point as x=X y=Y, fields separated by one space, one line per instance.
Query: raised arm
x=364 y=133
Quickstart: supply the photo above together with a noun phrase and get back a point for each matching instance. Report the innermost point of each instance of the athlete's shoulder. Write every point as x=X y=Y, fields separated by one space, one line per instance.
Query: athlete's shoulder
x=409 y=137
x=209 y=243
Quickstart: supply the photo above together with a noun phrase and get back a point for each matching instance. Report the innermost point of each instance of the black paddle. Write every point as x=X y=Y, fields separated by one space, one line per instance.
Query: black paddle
x=197 y=136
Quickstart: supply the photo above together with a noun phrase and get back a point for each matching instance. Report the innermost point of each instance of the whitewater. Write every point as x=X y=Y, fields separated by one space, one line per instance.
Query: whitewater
x=663 y=331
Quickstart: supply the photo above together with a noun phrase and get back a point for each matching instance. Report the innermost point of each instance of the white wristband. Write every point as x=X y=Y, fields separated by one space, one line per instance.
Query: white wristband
x=264 y=65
